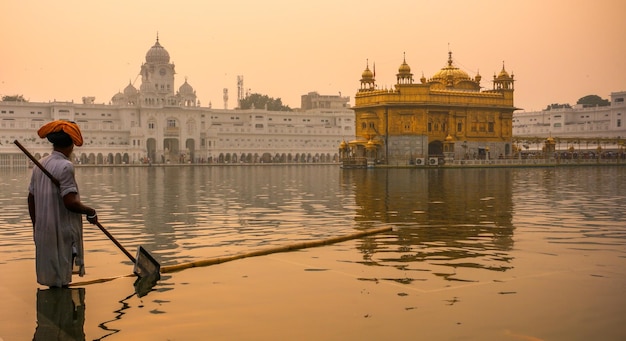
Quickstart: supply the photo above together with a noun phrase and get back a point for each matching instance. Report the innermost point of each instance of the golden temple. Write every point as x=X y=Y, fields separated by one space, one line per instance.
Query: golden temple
x=448 y=116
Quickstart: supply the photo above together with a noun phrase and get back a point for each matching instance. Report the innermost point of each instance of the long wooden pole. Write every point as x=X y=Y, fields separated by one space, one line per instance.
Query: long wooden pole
x=284 y=248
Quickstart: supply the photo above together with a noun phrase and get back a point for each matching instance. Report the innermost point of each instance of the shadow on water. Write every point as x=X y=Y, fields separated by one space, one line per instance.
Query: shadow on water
x=119 y=313
x=143 y=286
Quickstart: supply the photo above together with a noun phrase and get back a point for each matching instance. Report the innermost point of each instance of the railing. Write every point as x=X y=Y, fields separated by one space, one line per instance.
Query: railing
x=354 y=162
x=529 y=162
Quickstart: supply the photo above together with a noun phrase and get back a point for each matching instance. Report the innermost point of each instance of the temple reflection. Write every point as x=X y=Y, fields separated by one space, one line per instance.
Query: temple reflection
x=449 y=217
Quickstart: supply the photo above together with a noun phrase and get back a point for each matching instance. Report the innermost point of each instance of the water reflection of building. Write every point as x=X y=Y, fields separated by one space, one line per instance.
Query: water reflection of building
x=188 y=213
x=446 y=115
x=455 y=215
x=165 y=124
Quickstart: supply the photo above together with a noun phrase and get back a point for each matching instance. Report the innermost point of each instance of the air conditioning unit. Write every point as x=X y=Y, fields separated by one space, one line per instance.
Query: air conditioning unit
x=433 y=161
x=420 y=161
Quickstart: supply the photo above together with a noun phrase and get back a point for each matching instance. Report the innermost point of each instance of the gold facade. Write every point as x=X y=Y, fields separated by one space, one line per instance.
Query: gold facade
x=446 y=117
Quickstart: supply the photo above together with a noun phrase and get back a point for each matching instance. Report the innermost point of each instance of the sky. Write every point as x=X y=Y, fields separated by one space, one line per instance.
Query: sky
x=558 y=50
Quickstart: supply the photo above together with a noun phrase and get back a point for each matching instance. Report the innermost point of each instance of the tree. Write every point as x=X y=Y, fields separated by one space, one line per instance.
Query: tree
x=259 y=101
x=593 y=101
x=14 y=98
x=557 y=106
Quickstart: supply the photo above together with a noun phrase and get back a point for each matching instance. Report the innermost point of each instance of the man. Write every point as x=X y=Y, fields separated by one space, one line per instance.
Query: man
x=56 y=211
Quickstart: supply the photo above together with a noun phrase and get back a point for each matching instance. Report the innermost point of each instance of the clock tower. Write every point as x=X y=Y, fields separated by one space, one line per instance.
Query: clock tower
x=157 y=73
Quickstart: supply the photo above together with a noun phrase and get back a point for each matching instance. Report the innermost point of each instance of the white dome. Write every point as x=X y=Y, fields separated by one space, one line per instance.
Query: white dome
x=157 y=54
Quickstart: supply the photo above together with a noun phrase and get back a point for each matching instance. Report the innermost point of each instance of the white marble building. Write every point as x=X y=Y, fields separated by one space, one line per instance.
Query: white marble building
x=157 y=124
x=575 y=122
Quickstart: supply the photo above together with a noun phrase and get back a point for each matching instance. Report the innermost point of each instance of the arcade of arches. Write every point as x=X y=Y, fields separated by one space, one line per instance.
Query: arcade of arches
x=173 y=155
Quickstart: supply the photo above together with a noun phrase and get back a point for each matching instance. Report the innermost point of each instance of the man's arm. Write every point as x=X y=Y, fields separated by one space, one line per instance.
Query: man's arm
x=73 y=203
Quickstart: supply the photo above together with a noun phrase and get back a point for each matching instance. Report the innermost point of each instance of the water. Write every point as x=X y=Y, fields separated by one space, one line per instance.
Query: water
x=477 y=254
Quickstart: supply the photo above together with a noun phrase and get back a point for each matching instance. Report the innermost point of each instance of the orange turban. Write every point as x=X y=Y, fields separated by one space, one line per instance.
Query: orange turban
x=70 y=128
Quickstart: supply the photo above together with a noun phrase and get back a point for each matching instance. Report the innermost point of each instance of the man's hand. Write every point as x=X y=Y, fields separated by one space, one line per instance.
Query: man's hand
x=93 y=218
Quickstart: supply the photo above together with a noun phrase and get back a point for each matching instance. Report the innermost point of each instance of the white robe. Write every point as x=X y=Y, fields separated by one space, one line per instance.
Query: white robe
x=58 y=232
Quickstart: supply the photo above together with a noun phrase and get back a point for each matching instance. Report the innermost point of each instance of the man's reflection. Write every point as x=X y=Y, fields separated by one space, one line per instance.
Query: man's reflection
x=60 y=314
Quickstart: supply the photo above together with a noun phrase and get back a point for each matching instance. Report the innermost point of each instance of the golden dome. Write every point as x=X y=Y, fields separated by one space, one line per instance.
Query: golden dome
x=343 y=145
x=503 y=73
x=367 y=73
x=449 y=138
x=404 y=67
x=450 y=71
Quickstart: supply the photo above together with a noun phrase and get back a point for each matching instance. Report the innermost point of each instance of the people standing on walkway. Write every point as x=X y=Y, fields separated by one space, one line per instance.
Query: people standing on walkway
x=56 y=211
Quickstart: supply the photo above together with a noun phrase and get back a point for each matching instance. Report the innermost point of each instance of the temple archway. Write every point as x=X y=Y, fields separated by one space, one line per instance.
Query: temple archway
x=435 y=148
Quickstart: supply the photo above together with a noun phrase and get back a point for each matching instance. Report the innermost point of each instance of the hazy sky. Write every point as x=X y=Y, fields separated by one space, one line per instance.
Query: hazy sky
x=558 y=50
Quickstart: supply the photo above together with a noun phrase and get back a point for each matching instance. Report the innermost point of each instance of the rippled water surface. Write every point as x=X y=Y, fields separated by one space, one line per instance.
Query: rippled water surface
x=452 y=228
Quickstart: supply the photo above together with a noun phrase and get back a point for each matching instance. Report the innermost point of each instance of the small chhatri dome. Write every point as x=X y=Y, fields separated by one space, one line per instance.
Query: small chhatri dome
x=118 y=97
x=367 y=73
x=404 y=67
x=503 y=73
x=130 y=90
x=185 y=88
x=157 y=54
x=368 y=83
